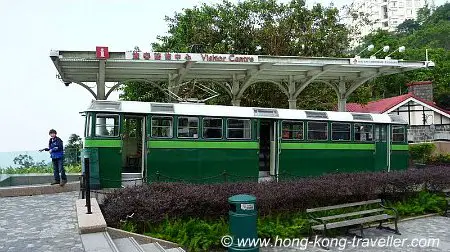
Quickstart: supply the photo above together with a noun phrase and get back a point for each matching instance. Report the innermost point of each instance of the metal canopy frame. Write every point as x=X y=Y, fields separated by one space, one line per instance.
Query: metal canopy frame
x=291 y=74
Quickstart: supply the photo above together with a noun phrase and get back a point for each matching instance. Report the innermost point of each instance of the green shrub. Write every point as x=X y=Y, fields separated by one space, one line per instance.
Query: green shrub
x=423 y=203
x=421 y=152
x=440 y=159
x=194 y=234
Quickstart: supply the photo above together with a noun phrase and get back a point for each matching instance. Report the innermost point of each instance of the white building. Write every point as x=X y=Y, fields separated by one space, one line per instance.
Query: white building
x=426 y=120
x=385 y=14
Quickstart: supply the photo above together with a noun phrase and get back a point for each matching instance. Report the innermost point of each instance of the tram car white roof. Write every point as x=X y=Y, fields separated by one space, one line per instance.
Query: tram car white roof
x=194 y=109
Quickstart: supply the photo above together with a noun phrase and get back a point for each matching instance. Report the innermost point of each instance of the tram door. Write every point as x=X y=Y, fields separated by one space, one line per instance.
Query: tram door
x=133 y=150
x=382 y=148
x=268 y=148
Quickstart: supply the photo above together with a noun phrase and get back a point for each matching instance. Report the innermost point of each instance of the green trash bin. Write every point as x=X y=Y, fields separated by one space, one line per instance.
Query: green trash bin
x=243 y=220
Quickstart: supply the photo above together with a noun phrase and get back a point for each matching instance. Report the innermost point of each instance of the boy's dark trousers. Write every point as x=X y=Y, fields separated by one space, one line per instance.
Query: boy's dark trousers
x=58 y=167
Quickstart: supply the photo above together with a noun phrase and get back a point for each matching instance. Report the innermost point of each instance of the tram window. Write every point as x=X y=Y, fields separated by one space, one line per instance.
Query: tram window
x=88 y=126
x=363 y=132
x=212 y=128
x=317 y=131
x=238 y=128
x=340 y=131
x=107 y=125
x=383 y=135
x=292 y=130
x=398 y=133
x=187 y=127
x=162 y=127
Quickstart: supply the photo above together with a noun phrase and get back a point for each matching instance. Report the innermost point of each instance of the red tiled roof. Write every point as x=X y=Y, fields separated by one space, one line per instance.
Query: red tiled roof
x=383 y=105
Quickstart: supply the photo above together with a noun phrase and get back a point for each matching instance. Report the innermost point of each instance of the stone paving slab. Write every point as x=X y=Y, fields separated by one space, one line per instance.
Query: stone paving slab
x=39 y=223
x=415 y=234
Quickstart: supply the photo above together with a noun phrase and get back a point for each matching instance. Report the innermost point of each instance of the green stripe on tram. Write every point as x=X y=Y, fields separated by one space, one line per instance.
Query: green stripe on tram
x=201 y=145
x=400 y=147
x=102 y=143
x=326 y=146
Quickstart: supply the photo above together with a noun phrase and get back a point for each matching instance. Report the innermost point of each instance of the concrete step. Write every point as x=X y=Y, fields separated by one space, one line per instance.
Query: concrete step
x=98 y=242
x=29 y=190
x=175 y=250
x=153 y=247
x=128 y=245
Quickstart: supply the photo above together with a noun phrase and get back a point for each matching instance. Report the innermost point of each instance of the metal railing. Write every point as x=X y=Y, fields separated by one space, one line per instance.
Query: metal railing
x=86 y=185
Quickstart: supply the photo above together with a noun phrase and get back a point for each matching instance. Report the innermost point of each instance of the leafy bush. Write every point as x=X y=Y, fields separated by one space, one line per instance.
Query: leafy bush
x=195 y=234
x=154 y=203
x=423 y=203
x=440 y=159
x=421 y=152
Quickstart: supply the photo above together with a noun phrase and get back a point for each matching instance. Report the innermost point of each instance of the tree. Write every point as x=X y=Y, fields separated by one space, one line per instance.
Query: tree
x=432 y=36
x=72 y=149
x=249 y=27
x=408 y=26
x=26 y=161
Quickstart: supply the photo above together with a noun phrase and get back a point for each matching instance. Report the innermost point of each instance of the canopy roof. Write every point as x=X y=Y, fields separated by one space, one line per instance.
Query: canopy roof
x=84 y=66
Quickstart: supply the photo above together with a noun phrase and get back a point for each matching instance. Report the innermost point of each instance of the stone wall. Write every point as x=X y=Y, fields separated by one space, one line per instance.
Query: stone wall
x=422 y=90
x=423 y=133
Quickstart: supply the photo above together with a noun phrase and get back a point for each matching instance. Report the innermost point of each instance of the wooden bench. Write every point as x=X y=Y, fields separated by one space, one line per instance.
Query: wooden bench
x=373 y=211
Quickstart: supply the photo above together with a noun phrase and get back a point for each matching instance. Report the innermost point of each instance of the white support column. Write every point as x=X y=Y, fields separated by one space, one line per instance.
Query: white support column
x=101 y=88
x=101 y=94
x=236 y=102
x=342 y=100
x=292 y=99
x=235 y=99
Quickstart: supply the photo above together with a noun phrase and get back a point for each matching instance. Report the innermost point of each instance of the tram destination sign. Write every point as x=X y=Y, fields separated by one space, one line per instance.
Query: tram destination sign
x=202 y=57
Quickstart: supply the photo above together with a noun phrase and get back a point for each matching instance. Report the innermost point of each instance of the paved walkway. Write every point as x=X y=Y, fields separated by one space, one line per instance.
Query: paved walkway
x=426 y=234
x=39 y=223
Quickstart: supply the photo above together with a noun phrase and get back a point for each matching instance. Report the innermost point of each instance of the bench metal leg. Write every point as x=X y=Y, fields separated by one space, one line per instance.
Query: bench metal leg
x=348 y=233
x=389 y=228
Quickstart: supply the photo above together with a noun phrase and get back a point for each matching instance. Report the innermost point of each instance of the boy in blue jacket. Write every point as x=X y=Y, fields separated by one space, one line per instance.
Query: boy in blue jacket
x=56 y=149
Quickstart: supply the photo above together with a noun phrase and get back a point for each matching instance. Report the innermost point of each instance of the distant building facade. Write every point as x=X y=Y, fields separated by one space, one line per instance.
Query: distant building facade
x=426 y=120
x=386 y=14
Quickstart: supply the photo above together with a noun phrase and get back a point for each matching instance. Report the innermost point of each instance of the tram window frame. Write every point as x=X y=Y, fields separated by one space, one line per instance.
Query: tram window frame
x=243 y=129
x=195 y=135
x=116 y=125
x=326 y=131
x=333 y=131
x=291 y=130
x=403 y=133
x=363 y=124
x=204 y=127
x=88 y=125
x=170 y=127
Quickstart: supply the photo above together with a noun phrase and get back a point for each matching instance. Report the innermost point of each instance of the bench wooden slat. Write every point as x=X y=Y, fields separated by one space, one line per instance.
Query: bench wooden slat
x=354 y=221
x=318 y=209
x=351 y=214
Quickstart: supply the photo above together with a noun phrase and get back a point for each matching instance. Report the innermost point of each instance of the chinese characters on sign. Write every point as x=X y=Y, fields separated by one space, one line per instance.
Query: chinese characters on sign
x=189 y=56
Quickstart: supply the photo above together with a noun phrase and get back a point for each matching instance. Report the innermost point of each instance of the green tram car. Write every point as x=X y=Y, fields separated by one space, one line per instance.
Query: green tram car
x=130 y=141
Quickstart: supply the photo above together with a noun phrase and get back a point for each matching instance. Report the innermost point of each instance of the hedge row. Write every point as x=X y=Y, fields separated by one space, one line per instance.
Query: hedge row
x=152 y=203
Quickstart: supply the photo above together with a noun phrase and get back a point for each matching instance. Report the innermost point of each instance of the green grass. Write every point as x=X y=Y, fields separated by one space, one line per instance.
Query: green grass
x=37 y=169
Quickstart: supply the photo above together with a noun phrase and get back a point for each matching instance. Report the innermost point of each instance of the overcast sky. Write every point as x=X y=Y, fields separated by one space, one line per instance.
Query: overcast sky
x=32 y=100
